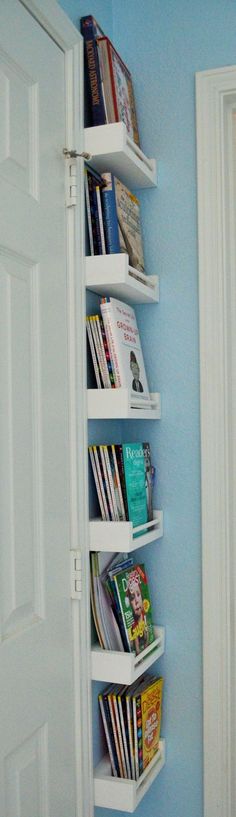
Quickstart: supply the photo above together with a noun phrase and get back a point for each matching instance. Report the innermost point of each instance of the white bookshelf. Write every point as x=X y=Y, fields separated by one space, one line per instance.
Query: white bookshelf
x=124 y=667
x=111 y=149
x=125 y=795
x=108 y=536
x=111 y=404
x=112 y=275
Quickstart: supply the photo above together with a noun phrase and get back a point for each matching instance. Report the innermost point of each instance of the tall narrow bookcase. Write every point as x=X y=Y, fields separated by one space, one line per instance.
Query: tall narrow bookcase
x=112 y=149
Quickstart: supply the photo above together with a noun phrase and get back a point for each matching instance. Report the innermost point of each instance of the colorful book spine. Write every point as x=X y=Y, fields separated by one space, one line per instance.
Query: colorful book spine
x=124 y=727
x=107 y=353
x=97 y=240
x=92 y=69
x=110 y=218
x=111 y=482
x=97 y=483
x=102 y=482
x=107 y=381
x=116 y=478
x=93 y=353
x=105 y=310
x=108 y=736
x=120 y=463
x=100 y=220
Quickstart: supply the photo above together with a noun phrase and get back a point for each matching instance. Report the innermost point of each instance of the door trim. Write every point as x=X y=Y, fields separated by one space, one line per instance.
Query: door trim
x=216 y=98
x=55 y=22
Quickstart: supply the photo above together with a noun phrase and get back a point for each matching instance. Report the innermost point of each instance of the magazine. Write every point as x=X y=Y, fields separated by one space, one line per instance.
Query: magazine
x=135 y=605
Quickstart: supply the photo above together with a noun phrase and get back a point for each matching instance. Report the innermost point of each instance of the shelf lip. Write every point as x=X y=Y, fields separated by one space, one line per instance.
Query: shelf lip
x=108 y=404
x=126 y=794
x=111 y=149
x=124 y=667
x=113 y=275
x=108 y=536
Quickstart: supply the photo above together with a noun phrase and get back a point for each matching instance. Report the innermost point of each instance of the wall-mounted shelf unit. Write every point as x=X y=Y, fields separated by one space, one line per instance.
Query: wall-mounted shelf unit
x=125 y=794
x=112 y=275
x=108 y=536
x=111 y=149
x=125 y=667
x=111 y=404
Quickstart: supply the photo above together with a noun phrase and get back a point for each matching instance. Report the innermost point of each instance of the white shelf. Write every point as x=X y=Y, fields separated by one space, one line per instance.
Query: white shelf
x=111 y=537
x=112 y=150
x=111 y=404
x=113 y=275
x=125 y=667
x=125 y=795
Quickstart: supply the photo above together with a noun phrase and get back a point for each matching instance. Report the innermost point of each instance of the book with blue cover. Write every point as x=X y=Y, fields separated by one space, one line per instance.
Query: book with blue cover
x=94 y=91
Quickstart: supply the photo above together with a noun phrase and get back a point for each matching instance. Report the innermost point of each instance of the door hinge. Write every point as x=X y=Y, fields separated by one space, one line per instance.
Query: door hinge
x=71 y=183
x=75 y=574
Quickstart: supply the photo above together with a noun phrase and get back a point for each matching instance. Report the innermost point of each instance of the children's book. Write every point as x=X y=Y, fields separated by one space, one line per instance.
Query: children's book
x=94 y=90
x=118 y=88
x=122 y=222
x=135 y=605
x=125 y=348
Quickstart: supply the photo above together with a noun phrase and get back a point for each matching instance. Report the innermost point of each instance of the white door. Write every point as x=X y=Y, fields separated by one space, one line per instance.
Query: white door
x=37 y=776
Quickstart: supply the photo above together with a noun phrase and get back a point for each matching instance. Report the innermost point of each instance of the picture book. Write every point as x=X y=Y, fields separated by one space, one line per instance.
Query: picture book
x=135 y=605
x=151 y=708
x=135 y=480
x=118 y=88
x=125 y=348
x=122 y=223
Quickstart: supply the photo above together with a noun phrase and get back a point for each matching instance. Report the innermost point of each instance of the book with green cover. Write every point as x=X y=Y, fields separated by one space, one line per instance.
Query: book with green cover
x=135 y=605
x=135 y=481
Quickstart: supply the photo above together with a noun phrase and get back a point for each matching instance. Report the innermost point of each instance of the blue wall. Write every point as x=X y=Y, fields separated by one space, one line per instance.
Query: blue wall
x=164 y=44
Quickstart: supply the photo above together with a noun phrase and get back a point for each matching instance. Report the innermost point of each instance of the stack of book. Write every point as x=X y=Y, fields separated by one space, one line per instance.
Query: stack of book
x=113 y=217
x=124 y=478
x=121 y=604
x=116 y=350
x=108 y=80
x=131 y=717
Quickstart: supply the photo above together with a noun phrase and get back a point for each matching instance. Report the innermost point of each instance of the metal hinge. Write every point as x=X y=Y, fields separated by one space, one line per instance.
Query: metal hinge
x=76 y=574
x=71 y=183
x=71 y=174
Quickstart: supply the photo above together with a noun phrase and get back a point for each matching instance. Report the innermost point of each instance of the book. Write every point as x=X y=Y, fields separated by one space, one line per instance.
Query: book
x=93 y=351
x=135 y=481
x=149 y=479
x=122 y=223
x=125 y=348
x=118 y=88
x=90 y=31
x=124 y=727
x=104 y=620
x=151 y=709
x=107 y=718
x=97 y=483
x=135 y=605
x=108 y=734
x=93 y=185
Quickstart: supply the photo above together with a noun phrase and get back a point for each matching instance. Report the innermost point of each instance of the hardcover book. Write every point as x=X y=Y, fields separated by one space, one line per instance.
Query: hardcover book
x=135 y=605
x=94 y=90
x=125 y=348
x=122 y=224
x=118 y=88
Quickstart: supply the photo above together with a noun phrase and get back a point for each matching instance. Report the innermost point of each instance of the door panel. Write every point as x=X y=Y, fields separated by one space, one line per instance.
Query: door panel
x=36 y=667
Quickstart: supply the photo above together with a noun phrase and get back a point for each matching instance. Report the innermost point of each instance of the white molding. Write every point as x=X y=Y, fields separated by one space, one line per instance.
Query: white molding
x=51 y=17
x=54 y=20
x=216 y=96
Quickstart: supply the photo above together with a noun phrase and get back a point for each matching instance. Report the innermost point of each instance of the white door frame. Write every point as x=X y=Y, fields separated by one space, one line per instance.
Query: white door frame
x=65 y=35
x=216 y=100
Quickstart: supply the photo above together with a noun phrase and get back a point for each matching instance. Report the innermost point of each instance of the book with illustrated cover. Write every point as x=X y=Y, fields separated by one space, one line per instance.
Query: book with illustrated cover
x=134 y=600
x=122 y=223
x=93 y=185
x=125 y=349
x=151 y=708
x=118 y=88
